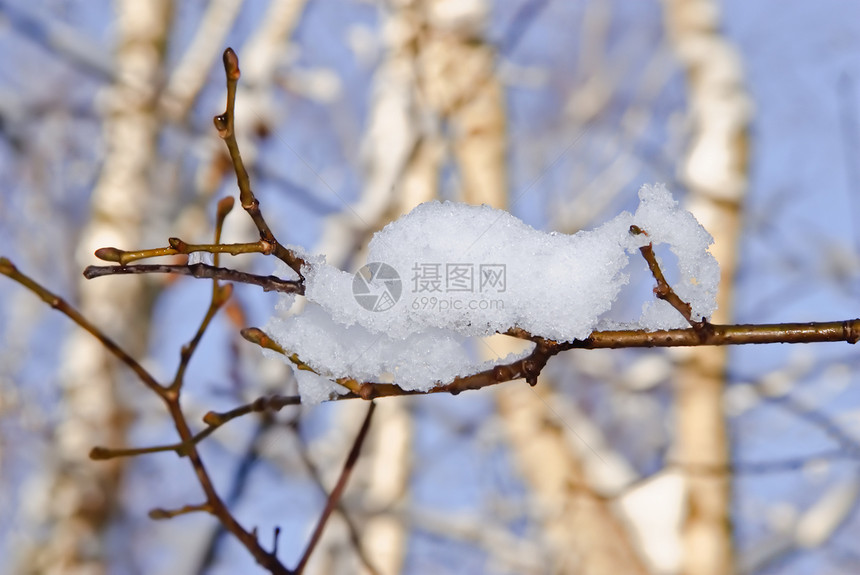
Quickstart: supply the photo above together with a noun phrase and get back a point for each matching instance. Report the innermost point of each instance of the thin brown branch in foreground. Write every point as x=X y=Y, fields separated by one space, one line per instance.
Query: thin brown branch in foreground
x=530 y=367
x=170 y=397
x=8 y=269
x=663 y=290
x=178 y=246
x=213 y=421
x=220 y=295
x=224 y=125
x=214 y=504
x=202 y=271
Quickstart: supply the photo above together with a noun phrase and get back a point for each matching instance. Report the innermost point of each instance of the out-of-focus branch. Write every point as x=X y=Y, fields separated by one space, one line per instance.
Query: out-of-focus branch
x=337 y=492
x=59 y=37
x=355 y=531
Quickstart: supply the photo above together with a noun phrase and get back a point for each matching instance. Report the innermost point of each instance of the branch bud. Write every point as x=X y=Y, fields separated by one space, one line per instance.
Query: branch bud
x=110 y=254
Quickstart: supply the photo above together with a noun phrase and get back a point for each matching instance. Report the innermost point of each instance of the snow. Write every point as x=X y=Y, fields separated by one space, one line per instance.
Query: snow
x=446 y=274
x=314 y=388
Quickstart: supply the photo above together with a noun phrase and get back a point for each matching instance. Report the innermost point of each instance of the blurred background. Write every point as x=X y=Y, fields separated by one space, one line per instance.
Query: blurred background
x=350 y=112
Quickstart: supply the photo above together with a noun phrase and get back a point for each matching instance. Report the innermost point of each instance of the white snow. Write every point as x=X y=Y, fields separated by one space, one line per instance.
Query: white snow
x=447 y=273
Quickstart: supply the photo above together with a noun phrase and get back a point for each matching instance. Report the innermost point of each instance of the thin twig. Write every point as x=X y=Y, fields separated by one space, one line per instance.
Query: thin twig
x=203 y=271
x=271 y=403
x=224 y=125
x=337 y=492
x=663 y=290
x=214 y=504
x=178 y=246
x=530 y=366
x=220 y=295
x=8 y=269
x=213 y=421
x=159 y=513
x=217 y=507
x=239 y=485
x=352 y=529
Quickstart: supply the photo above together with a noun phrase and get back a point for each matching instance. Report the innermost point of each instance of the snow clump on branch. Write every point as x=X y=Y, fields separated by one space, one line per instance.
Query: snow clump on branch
x=447 y=273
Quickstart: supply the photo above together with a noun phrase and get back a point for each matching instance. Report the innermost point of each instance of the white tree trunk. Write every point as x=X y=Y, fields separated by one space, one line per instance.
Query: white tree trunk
x=83 y=494
x=715 y=172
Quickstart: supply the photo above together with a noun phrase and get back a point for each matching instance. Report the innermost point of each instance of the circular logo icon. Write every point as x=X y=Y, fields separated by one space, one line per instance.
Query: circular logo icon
x=376 y=286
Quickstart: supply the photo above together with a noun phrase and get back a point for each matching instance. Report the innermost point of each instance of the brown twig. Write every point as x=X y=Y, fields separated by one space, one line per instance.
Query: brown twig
x=159 y=513
x=220 y=295
x=663 y=290
x=178 y=246
x=8 y=269
x=224 y=125
x=351 y=527
x=216 y=419
x=213 y=421
x=170 y=396
x=202 y=271
x=214 y=504
x=530 y=367
x=259 y=337
x=337 y=492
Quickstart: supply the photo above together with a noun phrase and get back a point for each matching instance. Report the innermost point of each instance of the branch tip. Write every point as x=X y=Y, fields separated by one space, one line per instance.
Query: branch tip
x=100 y=453
x=257 y=336
x=231 y=64
x=222 y=294
x=110 y=254
x=213 y=419
x=225 y=206
x=159 y=513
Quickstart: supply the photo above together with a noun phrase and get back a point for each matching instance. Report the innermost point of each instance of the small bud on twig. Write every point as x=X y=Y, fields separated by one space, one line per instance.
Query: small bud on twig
x=231 y=65
x=225 y=205
x=110 y=254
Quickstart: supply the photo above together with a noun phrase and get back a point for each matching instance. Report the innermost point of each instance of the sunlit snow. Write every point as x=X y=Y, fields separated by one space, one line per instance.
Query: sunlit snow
x=447 y=273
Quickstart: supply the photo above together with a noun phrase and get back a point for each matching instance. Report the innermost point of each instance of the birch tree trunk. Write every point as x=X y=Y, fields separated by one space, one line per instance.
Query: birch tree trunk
x=715 y=172
x=433 y=73
x=82 y=497
x=583 y=531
